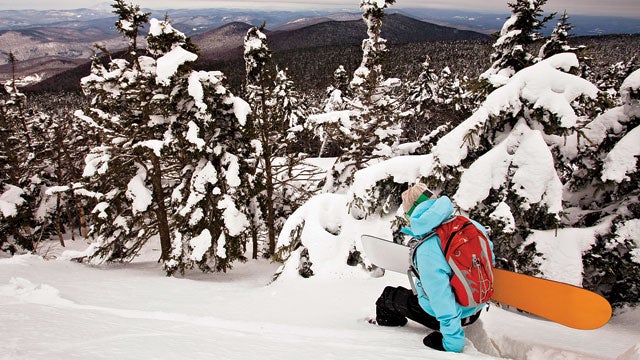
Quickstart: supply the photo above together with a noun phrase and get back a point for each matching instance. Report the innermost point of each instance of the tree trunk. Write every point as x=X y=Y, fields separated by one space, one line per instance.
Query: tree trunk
x=68 y=207
x=58 y=220
x=71 y=225
x=264 y=126
x=270 y=201
x=84 y=229
x=161 y=210
x=254 y=236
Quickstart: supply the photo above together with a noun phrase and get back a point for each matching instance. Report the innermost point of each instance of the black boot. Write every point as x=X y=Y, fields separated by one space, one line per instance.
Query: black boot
x=387 y=318
x=386 y=315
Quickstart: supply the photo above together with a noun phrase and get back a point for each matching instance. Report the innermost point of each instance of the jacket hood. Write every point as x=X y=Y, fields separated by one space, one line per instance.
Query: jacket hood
x=428 y=215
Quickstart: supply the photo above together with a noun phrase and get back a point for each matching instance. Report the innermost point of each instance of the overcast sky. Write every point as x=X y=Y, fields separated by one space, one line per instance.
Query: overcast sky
x=627 y=8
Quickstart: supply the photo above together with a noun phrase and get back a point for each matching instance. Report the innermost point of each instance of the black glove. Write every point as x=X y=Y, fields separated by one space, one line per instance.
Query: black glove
x=434 y=341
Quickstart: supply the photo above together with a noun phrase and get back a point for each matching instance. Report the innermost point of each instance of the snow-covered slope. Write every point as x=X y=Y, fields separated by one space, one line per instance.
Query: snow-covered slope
x=62 y=310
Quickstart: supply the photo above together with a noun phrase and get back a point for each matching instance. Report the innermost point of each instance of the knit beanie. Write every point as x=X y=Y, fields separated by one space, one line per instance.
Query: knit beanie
x=412 y=194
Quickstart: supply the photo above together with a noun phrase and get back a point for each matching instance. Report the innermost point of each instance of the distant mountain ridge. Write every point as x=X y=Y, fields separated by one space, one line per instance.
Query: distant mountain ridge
x=396 y=29
x=223 y=42
x=583 y=25
x=226 y=41
x=49 y=50
x=308 y=21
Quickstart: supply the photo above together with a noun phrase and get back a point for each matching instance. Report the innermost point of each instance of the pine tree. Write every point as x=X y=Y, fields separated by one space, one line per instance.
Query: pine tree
x=338 y=92
x=12 y=117
x=328 y=126
x=16 y=218
x=77 y=138
x=278 y=114
x=612 y=79
x=291 y=173
x=423 y=92
x=210 y=214
x=511 y=53
x=558 y=42
x=171 y=153
x=40 y=168
x=375 y=125
x=128 y=171
x=433 y=104
x=611 y=265
x=257 y=57
x=52 y=134
x=424 y=112
x=130 y=21
x=12 y=60
x=610 y=171
x=29 y=172
x=452 y=94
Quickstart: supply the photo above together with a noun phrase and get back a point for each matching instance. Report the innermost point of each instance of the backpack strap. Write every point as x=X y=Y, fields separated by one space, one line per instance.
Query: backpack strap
x=414 y=243
x=412 y=273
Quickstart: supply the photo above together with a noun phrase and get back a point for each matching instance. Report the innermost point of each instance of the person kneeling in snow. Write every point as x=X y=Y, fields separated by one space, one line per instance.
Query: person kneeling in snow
x=438 y=310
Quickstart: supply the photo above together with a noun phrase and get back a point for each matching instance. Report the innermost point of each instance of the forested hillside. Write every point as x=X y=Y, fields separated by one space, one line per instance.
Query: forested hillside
x=314 y=66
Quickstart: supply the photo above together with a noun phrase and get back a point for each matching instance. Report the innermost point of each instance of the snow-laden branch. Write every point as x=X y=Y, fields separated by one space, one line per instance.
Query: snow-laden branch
x=535 y=179
x=545 y=85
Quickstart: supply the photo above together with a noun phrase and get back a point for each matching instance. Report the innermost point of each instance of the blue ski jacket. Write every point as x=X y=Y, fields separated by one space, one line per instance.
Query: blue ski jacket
x=435 y=294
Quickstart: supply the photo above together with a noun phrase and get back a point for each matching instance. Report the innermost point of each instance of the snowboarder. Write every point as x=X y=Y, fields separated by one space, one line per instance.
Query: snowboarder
x=434 y=306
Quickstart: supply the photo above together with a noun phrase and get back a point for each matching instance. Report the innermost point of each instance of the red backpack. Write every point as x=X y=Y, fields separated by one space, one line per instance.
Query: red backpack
x=467 y=251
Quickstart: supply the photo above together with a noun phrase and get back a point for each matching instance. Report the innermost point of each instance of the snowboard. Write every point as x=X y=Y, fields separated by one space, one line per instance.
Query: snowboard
x=559 y=302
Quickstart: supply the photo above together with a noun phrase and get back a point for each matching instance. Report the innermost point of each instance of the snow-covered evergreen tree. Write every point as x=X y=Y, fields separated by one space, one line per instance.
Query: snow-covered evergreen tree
x=424 y=90
x=374 y=128
x=14 y=126
x=65 y=143
x=171 y=153
x=58 y=142
x=612 y=264
x=126 y=171
x=421 y=99
x=39 y=151
x=426 y=108
x=511 y=53
x=605 y=189
x=369 y=75
x=16 y=216
x=558 y=42
x=330 y=127
x=338 y=92
x=278 y=114
x=453 y=95
x=368 y=129
x=611 y=81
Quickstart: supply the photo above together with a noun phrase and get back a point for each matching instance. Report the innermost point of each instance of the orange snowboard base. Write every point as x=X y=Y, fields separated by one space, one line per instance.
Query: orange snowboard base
x=565 y=304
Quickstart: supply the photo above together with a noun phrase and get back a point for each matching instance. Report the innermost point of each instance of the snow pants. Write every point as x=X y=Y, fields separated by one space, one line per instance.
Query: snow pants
x=397 y=304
